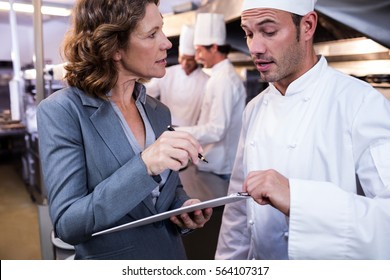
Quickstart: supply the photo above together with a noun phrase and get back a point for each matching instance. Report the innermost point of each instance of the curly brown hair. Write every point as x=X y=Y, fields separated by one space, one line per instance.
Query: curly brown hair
x=99 y=28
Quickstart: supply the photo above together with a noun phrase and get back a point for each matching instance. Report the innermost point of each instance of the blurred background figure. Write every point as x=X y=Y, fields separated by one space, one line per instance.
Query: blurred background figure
x=183 y=86
x=219 y=123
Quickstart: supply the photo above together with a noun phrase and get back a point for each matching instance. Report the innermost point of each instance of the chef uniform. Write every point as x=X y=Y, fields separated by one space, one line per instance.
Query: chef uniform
x=328 y=130
x=219 y=124
x=182 y=93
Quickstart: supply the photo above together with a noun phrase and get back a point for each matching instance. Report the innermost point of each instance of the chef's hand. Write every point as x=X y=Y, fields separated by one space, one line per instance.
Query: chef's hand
x=192 y=220
x=269 y=187
x=172 y=150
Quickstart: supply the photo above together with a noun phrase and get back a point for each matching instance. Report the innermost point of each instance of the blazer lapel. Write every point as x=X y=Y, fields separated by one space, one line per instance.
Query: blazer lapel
x=148 y=202
x=168 y=192
x=110 y=130
x=158 y=123
x=155 y=122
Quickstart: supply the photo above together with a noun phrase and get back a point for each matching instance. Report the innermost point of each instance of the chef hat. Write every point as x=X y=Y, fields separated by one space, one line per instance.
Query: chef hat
x=186 y=40
x=299 y=7
x=210 y=29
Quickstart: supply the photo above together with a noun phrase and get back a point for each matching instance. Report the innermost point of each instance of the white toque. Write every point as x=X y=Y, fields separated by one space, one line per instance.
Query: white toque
x=186 y=40
x=210 y=29
x=299 y=7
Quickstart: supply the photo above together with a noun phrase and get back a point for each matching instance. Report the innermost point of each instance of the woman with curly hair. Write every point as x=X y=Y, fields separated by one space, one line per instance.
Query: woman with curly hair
x=106 y=156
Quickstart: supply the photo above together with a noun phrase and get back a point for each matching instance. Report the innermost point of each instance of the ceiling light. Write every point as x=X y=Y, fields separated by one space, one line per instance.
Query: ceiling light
x=28 y=8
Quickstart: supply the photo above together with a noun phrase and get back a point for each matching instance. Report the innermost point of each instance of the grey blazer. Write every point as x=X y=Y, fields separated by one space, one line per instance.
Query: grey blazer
x=95 y=180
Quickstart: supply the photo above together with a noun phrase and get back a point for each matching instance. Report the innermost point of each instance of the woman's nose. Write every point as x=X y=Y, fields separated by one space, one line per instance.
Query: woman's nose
x=167 y=44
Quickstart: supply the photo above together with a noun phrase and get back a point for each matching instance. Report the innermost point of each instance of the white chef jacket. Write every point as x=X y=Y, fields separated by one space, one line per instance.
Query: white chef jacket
x=219 y=124
x=327 y=128
x=182 y=93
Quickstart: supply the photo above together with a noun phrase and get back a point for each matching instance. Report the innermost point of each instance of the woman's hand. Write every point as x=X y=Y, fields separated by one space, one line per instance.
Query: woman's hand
x=172 y=150
x=192 y=220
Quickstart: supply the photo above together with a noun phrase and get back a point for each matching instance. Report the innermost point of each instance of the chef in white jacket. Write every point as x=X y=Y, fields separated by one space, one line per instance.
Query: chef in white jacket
x=305 y=140
x=183 y=86
x=219 y=124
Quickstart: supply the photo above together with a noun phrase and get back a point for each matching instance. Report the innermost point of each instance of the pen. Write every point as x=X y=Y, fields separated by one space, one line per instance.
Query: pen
x=200 y=156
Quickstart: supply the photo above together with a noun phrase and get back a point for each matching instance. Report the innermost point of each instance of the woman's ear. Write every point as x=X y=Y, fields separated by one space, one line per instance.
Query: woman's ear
x=117 y=56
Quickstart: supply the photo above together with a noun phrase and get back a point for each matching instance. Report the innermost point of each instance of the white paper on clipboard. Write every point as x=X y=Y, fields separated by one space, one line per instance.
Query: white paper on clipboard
x=186 y=209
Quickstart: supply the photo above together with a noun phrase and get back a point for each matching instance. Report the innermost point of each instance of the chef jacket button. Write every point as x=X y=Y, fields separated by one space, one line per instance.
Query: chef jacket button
x=286 y=234
x=306 y=99
x=265 y=102
x=251 y=222
x=292 y=146
x=252 y=143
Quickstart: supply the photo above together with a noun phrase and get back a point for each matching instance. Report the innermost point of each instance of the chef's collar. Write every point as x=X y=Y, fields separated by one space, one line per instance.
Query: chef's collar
x=307 y=79
x=219 y=65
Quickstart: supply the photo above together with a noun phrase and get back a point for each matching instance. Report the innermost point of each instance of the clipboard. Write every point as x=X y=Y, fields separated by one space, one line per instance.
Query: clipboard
x=186 y=209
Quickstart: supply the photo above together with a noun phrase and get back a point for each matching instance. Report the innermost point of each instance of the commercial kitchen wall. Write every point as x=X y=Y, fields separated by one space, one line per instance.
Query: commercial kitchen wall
x=53 y=34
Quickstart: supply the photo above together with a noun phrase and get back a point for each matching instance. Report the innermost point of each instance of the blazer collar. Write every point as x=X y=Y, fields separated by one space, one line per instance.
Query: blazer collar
x=87 y=100
x=109 y=128
x=107 y=125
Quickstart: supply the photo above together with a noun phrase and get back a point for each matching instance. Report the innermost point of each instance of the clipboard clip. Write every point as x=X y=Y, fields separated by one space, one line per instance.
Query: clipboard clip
x=243 y=194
